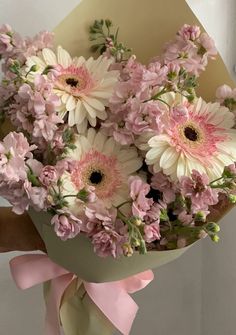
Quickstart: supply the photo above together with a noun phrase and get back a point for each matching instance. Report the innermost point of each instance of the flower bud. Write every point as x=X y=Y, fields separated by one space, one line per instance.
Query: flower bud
x=232 y=198
x=213 y=227
x=128 y=250
x=200 y=216
x=215 y=238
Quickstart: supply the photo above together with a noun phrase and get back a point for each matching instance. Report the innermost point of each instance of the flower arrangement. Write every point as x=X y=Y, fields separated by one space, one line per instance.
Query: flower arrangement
x=124 y=153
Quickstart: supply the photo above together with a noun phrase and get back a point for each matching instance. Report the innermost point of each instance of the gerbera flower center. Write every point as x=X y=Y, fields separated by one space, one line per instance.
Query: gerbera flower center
x=98 y=170
x=74 y=80
x=96 y=177
x=191 y=133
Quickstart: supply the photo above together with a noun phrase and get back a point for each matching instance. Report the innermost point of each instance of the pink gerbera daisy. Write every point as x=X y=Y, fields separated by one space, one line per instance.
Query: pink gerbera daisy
x=203 y=140
x=84 y=86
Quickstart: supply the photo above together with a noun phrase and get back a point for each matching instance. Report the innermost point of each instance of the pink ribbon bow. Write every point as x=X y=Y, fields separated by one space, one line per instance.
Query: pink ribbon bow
x=29 y=270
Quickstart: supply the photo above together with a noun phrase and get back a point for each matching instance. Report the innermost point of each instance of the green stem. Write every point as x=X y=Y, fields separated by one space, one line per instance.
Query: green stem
x=123 y=203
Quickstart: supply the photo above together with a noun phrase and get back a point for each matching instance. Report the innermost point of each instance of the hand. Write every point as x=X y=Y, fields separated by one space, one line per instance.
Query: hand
x=18 y=233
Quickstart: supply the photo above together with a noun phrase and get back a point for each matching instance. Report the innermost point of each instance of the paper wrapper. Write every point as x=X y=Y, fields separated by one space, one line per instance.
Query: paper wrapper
x=78 y=314
x=77 y=255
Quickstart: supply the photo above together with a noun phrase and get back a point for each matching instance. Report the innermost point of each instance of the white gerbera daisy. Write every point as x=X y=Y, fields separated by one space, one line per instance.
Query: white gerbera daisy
x=203 y=140
x=84 y=86
x=103 y=164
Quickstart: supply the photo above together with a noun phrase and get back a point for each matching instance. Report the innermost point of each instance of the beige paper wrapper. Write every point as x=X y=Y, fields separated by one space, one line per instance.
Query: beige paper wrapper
x=145 y=26
x=77 y=255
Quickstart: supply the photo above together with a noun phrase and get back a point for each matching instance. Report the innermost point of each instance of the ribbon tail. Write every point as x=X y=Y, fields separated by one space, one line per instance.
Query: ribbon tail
x=57 y=288
x=115 y=303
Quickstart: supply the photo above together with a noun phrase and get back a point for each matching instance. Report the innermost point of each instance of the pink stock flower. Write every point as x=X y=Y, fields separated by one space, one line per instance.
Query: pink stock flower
x=196 y=188
x=115 y=126
x=185 y=218
x=66 y=225
x=16 y=193
x=152 y=232
x=162 y=183
x=138 y=192
x=190 y=49
x=108 y=243
x=98 y=217
x=48 y=175
x=208 y=44
x=188 y=32
x=14 y=149
x=145 y=117
x=38 y=197
x=36 y=108
x=223 y=92
x=6 y=45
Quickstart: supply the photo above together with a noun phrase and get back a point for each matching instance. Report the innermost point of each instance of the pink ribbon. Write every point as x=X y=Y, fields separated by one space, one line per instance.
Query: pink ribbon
x=29 y=270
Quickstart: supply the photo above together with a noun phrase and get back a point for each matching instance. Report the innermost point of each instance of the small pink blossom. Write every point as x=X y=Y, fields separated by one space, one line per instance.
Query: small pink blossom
x=38 y=197
x=185 y=218
x=152 y=232
x=162 y=183
x=6 y=45
x=145 y=117
x=188 y=32
x=108 y=243
x=14 y=149
x=138 y=192
x=66 y=225
x=48 y=175
x=208 y=44
x=98 y=217
x=196 y=188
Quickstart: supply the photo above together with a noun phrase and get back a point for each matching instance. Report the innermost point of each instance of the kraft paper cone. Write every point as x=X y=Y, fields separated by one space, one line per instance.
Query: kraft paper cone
x=77 y=255
x=145 y=26
x=80 y=316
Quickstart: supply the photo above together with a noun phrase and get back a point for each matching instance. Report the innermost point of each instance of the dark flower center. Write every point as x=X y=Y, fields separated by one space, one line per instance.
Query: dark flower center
x=72 y=82
x=96 y=177
x=191 y=134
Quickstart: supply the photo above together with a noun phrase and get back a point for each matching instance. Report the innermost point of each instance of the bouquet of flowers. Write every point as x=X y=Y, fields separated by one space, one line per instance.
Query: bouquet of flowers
x=119 y=163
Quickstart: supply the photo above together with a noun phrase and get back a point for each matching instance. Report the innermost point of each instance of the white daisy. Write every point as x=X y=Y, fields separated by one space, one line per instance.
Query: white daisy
x=103 y=164
x=84 y=86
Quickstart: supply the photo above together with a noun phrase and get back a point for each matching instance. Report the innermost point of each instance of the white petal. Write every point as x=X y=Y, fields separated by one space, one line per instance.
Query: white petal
x=80 y=112
x=71 y=103
x=64 y=98
x=154 y=154
x=102 y=115
x=181 y=166
x=79 y=61
x=125 y=155
x=168 y=158
x=49 y=56
x=132 y=165
x=71 y=118
x=94 y=103
x=82 y=127
x=63 y=57
x=91 y=111
x=109 y=146
x=91 y=135
x=99 y=141
x=92 y=121
x=100 y=94
x=159 y=140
